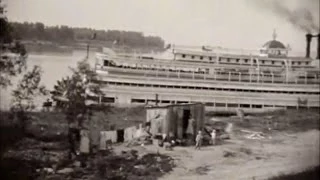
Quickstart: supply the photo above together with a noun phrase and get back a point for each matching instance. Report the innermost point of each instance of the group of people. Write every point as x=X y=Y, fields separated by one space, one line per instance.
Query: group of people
x=199 y=139
x=199 y=136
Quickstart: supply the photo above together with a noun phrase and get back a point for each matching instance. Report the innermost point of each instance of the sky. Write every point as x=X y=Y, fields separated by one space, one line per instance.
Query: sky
x=227 y=23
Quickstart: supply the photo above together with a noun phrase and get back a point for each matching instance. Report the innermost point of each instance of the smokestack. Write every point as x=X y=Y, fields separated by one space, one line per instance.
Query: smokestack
x=308 y=38
x=318 y=47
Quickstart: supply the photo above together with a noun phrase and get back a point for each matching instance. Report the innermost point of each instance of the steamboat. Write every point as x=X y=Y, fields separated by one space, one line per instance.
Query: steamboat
x=223 y=79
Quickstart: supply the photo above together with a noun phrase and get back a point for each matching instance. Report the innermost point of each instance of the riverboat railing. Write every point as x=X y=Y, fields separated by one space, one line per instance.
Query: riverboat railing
x=218 y=75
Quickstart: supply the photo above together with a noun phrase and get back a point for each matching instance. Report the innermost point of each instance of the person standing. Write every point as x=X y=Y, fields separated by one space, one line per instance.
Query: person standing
x=190 y=128
x=213 y=137
x=199 y=138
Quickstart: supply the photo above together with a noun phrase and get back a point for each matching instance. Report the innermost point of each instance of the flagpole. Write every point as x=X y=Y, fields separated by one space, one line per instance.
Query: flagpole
x=88 y=45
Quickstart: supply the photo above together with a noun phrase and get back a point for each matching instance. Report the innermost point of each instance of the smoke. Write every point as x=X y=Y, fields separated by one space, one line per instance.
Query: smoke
x=301 y=17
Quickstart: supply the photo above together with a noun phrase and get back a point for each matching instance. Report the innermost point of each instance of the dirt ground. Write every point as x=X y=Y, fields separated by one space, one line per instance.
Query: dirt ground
x=291 y=144
x=283 y=153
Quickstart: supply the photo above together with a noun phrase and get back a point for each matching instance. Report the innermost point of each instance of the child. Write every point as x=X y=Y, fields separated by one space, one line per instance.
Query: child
x=199 y=140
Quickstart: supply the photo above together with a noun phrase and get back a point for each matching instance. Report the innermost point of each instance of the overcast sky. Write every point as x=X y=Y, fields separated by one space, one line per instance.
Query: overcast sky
x=230 y=23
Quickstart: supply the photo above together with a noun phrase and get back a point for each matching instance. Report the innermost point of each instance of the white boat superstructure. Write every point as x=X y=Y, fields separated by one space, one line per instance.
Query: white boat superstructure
x=222 y=81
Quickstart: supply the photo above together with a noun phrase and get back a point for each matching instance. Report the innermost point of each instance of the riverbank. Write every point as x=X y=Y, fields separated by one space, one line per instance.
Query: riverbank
x=288 y=147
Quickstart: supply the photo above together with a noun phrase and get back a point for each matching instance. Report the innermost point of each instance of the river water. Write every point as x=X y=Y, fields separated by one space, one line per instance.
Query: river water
x=54 y=67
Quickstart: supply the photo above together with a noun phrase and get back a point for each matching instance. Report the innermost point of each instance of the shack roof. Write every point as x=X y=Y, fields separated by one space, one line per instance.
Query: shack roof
x=172 y=105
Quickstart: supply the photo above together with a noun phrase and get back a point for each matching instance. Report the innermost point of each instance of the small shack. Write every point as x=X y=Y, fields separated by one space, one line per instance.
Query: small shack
x=175 y=119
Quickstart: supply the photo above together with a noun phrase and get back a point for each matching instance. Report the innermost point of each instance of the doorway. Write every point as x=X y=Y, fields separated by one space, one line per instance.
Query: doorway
x=185 y=121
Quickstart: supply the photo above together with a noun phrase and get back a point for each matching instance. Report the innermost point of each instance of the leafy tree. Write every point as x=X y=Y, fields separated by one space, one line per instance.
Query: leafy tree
x=13 y=58
x=12 y=54
x=65 y=34
x=72 y=92
x=23 y=96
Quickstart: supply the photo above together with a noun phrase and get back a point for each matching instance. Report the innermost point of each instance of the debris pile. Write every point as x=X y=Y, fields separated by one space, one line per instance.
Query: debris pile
x=253 y=134
x=129 y=165
x=55 y=164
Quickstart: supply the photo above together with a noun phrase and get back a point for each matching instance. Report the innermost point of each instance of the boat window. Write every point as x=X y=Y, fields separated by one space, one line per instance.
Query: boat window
x=165 y=101
x=209 y=104
x=201 y=57
x=210 y=58
x=192 y=57
x=105 y=63
x=108 y=99
x=237 y=60
x=307 y=63
x=272 y=62
x=137 y=100
x=182 y=102
x=262 y=61
x=220 y=104
x=232 y=105
x=246 y=60
x=256 y=106
x=183 y=55
x=299 y=63
x=245 y=105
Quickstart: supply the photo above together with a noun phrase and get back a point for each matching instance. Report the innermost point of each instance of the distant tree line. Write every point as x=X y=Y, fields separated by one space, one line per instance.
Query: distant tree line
x=67 y=35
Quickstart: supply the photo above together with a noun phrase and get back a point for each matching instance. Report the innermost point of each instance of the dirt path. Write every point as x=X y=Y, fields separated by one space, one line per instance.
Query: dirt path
x=253 y=158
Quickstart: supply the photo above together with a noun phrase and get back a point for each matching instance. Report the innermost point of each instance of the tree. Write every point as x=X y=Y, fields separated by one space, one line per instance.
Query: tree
x=13 y=58
x=72 y=92
x=12 y=54
x=23 y=96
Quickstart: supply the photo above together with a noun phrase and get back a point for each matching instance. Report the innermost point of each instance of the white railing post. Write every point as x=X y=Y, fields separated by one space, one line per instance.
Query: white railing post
x=229 y=76
x=305 y=77
x=157 y=71
x=100 y=99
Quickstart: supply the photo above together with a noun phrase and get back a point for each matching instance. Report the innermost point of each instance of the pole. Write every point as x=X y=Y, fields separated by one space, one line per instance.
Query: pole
x=88 y=50
x=157 y=99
